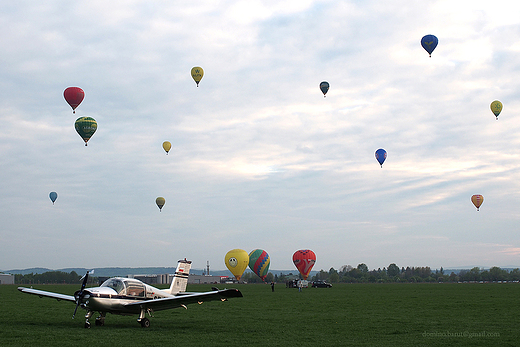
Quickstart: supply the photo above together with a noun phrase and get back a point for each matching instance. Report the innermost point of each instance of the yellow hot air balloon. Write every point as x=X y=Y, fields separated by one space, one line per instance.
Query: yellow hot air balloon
x=236 y=261
x=496 y=108
x=197 y=73
x=167 y=146
x=477 y=200
x=160 y=202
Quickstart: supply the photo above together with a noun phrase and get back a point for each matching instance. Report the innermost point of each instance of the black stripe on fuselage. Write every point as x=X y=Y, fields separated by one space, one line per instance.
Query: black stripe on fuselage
x=124 y=297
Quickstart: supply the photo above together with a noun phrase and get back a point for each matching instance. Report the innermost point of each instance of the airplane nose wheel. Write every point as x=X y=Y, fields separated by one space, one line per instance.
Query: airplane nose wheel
x=145 y=323
x=87 y=317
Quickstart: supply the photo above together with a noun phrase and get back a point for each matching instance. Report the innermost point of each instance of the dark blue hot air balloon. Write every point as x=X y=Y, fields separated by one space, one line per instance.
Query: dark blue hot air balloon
x=324 y=86
x=381 y=156
x=53 y=196
x=429 y=42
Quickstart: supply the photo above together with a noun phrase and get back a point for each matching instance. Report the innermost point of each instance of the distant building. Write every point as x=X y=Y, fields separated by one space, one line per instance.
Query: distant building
x=203 y=279
x=6 y=279
x=153 y=279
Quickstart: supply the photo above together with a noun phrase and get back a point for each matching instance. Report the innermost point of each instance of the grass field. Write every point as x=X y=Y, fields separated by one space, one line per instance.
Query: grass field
x=345 y=315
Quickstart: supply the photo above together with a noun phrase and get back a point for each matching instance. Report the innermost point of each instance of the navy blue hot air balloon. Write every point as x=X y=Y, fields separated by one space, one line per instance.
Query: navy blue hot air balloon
x=381 y=156
x=429 y=42
x=53 y=196
x=324 y=86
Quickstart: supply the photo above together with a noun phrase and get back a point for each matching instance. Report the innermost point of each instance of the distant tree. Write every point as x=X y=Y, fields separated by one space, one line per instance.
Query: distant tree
x=514 y=275
x=333 y=276
x=498 y=274
x=355 y=273
x=393 y=270
x=363 y=268
x=453 y=277
x=473 y=274
x=344 y=269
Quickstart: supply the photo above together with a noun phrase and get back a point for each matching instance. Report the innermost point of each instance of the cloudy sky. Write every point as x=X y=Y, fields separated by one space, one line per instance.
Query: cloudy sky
x=260 y=159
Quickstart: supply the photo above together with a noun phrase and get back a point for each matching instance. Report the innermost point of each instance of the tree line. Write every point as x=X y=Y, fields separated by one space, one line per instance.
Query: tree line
x=345 y=274
x=50 y=277
x=361 y=274
x=392 y=273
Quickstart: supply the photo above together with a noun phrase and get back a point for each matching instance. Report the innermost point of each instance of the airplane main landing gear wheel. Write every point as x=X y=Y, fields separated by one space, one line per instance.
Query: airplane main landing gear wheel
x=87 y=325
x=100 y=322
x=145 y=323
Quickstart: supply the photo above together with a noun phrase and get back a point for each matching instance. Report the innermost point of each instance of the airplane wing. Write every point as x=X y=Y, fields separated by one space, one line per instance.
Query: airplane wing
x=183 y=299
x=41 y=293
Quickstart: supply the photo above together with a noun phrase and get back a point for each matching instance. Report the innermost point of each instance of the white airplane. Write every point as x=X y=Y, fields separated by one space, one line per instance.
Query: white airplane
x=128 y=296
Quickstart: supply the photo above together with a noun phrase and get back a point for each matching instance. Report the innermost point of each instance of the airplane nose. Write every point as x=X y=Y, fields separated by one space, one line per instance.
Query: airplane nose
x=85 y=295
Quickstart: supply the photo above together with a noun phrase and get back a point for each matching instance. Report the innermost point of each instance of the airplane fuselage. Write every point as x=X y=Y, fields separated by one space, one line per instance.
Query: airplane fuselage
x=114 y=295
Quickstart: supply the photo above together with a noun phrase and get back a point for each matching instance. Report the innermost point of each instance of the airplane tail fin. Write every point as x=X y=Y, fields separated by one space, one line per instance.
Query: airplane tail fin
x=180 y=278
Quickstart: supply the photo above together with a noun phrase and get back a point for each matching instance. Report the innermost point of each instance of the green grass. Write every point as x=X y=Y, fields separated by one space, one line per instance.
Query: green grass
x=345 y=315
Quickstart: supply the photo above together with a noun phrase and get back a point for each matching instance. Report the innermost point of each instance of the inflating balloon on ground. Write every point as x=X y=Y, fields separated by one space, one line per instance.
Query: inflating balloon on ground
x=259 y=263
x=304 y=260
x=236 y=261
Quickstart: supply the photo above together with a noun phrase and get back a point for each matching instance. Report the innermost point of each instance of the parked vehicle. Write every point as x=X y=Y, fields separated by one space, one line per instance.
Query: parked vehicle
x=321 y=284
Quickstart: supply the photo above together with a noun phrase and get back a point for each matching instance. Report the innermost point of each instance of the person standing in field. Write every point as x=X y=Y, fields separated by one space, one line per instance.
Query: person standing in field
x=272 y=286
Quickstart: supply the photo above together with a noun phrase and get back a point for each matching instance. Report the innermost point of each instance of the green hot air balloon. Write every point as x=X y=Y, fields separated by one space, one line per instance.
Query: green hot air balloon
x=86 y=127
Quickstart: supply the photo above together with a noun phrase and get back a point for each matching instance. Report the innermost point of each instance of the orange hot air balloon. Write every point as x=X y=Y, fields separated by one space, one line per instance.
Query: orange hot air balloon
x=304 y=260
x=477 y=200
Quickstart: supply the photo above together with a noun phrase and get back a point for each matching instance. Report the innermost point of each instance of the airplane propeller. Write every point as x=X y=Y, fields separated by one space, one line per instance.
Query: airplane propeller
x=80 y=294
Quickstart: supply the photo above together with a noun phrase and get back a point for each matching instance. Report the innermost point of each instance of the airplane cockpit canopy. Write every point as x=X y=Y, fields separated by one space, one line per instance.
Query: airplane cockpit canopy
x=126 y=286
x=116 y=284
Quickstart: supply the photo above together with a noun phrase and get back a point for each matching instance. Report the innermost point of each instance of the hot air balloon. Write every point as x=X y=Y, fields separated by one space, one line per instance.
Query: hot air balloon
x=324 y=86
x=167 y=146
x=74 y=96
x=86 y=127
x=259 y=263
x=160 y=202
x=53 y=196
x=429 y=42
x=496 y=108
x=236 y=261
x=477 y=200
x=304 y=260
x=197 y=73
x=381 y=156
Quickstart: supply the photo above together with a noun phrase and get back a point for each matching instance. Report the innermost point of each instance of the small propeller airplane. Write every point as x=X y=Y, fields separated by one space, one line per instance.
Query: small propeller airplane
x=128 y=296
